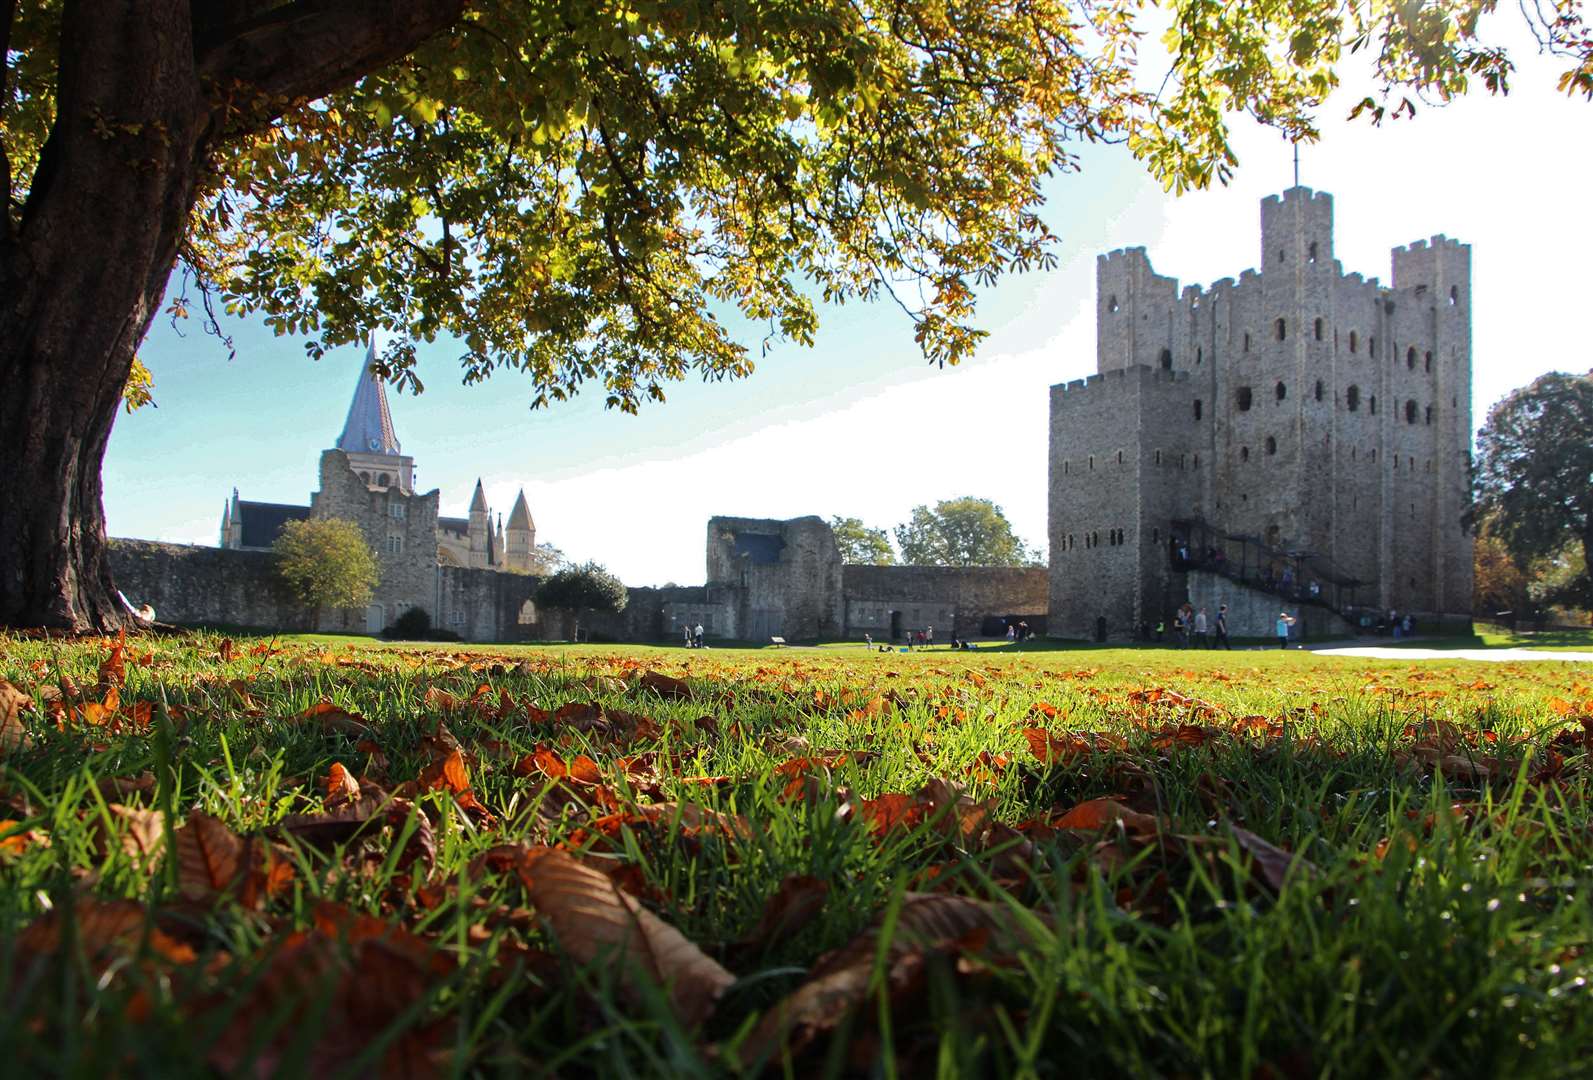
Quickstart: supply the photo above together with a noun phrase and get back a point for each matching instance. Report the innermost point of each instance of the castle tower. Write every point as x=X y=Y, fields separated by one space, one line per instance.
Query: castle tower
x=368 y=437
x=480 y=527
x=520 y=538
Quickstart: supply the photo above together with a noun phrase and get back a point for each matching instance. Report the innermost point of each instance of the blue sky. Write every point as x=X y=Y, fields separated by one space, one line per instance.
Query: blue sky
x=858 y=425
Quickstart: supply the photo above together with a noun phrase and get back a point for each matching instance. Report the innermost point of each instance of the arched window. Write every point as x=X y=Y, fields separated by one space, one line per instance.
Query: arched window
x=365 y=477
x=1427 y=364
x=1371 y=347
x=1120 y=457
x=381 y=480
x=1319 y=389
x=1197 y=461
x=1092 y=462
x=1310 y=256
x=1454 y=295
x=1352 y=398
x=1371 y=404
x=1410 y=412
x=1166 y=359
x=1247 y=341
x=1244 y=453
x=1429 y=414
x=1064 y=468
x=1198 y=410
x=1280 y=391
x=1319 y=329
x=1282 y=329
x=1410 y=358
x=1242 y=398
x=1272 y=445
x=1111 y=305
x=1353 y=340
x=1200 y=354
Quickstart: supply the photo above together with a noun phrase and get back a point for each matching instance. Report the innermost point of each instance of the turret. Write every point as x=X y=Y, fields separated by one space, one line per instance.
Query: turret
x=368 y=436
x=1134 y=312
x=226 y=524
x=480 y=527
x=520 y=537
x=1296 y=231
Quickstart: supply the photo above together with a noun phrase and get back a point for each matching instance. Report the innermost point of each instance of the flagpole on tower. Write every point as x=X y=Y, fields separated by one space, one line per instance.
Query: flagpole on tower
x=1296 y=162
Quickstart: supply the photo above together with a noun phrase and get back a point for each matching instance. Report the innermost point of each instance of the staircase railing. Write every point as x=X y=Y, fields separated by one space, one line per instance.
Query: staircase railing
x=1293 y=574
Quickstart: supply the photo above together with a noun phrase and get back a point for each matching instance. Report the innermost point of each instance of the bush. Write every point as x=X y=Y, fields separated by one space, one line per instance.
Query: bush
x=412 y=625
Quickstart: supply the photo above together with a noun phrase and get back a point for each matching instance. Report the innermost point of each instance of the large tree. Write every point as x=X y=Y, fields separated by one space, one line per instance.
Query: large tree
x=577 y=188
x=1535 y=475
x=962 y=532
x=860 y=544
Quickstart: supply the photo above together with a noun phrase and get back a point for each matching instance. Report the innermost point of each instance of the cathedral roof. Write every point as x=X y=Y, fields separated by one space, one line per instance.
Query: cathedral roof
x=478 y=501
x=520 y=516
x=369 y=427
x=260 y=522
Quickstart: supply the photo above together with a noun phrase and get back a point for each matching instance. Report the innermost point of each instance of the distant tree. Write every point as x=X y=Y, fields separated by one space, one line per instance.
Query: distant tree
x=581 y=590
x=1535 y=477
x=327 y=564
x=547 y=559
x=962 y=532
x=1499 y=580
x=861 y=545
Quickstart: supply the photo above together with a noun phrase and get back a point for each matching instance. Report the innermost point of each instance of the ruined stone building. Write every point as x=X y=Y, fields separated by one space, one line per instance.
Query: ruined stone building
x=367 y=478
x=1299 y=430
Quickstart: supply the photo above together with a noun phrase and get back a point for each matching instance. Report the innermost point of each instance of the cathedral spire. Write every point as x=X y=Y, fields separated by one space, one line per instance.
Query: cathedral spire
x=369 y=427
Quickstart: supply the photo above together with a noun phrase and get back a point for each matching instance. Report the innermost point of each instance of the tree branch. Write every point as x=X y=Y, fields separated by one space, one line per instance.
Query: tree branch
x=309 y=48
x=8 y=14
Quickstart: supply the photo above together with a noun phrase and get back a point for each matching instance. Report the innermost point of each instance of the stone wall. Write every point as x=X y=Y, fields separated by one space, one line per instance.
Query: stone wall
x=955 y=600
x=1253 y=613
x=204 y=586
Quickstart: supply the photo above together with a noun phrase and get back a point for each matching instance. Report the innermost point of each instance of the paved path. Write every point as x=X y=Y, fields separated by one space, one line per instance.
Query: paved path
x=1386 y=652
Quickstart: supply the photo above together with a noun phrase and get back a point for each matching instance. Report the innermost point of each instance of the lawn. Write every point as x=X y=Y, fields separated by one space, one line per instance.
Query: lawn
x=323 y=856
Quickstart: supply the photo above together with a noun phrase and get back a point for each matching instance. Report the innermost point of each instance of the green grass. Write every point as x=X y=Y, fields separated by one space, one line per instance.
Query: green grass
x=1435 y=922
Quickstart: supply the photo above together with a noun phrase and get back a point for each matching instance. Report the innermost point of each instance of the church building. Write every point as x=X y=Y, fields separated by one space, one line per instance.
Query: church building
x=366 y=478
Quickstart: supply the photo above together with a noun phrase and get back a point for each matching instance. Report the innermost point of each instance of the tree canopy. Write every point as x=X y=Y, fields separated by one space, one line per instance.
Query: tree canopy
x=582 y=589
x=1535 y=475
x=326 y=563
x=585 y=192
x=860 y=544
x=962 y=532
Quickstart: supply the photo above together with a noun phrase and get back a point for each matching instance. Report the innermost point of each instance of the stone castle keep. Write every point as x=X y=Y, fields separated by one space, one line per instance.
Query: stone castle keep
x=1301 y=429
x=1299 y=437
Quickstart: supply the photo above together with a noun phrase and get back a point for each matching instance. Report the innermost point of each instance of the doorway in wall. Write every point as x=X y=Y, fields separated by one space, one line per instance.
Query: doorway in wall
x=896 y=625
x=375 y=619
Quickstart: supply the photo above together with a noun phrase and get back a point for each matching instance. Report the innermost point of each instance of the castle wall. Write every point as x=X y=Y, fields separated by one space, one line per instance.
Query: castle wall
x=784 y=576
x=205 y=586
x=955 y=600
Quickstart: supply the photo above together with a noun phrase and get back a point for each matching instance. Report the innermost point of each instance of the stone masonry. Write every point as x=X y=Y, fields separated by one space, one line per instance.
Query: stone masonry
x=1316 y=410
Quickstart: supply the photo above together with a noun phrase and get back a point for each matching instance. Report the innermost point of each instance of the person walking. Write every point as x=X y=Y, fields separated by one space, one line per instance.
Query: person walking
x=1222 y=628
x=687 y=630
x=697 y=635
x=1012 y=632
x=1200 y=630
x=1285 y=620
x=929 y=636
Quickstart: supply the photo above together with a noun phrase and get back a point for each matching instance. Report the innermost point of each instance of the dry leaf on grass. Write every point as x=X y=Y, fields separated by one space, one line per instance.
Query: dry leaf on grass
x=841 y=981
x=795 y=904
x=137 y=832
x=596 y=921
x=1274 y=863
x=13 y=735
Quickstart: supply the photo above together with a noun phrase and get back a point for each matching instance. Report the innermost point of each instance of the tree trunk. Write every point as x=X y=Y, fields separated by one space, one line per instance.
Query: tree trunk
x=83 y=273
x=142 y=97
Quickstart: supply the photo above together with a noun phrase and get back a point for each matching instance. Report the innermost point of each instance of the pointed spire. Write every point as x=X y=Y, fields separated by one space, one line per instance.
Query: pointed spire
x=369 y=427
x=479 y=500
x=520 y=516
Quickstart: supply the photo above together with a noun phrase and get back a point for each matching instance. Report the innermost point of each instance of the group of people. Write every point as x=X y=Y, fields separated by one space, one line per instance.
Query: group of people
x=1195 y=626
x=693 y=635
x=1019 y=631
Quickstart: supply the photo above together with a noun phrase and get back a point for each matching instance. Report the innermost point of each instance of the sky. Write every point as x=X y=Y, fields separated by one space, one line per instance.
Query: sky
x=858 y=425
